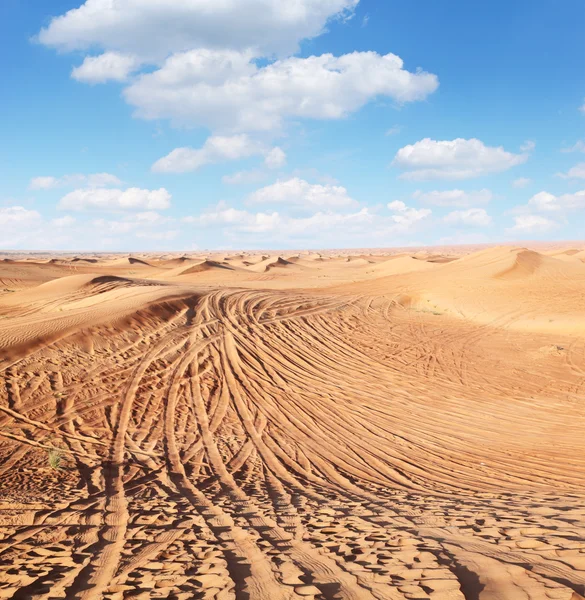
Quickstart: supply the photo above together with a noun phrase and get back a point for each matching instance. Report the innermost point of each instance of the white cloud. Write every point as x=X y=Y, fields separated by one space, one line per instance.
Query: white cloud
x=393 y=130
x=244 y=97
x=532 y=224
x=153 y=29
x=582 y=108
x=27 y=229
x=298 y=193
x=521 y=182
x=17 y=215
x=109 y=66
x=217 y=149
x=397 y=205
x=275 y=158
x=547 y=203
x=454 y=198
x=327 y=227
x=204 y=57
x=93 y=180
x=405 y=215
x=543 y=201
x=528 y=146
x=43 y=183
x=149 y=217
x=141 y=224
x=66 y=221
x=244 y=177
x=576 y=172
x=473 y=217
x=240 y=220
x=578 y=146
x=455 y=159
x=115 y=199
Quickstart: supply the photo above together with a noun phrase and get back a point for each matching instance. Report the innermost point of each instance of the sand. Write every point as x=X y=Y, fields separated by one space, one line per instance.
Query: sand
x=336 y=425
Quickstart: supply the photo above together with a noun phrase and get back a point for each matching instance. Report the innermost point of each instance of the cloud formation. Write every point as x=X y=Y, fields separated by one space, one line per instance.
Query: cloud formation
x=576 y=172
x=93 y=180
x=473 y=217
x=526 y=224
x=298 y=193
x=109 y=66
x=521 y=182
x=153 y=29
x=216 y=149
x=15 y=215
x=224 y=91
x=454 y=198
x=115 y=199
x=453 y=159
x=328 y=227
x=405 y=216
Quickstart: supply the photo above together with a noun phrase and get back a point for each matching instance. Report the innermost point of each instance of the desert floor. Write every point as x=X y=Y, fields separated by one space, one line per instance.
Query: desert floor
x=362 y=424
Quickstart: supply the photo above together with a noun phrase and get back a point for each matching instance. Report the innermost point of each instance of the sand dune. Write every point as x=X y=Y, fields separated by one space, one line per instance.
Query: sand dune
x=138 y=261
x=403 y=264
x=267 y=263
x=387 y=427
x=206 y=265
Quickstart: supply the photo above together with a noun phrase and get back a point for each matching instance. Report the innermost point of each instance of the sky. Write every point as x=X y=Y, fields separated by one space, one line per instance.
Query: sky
x=149 y=125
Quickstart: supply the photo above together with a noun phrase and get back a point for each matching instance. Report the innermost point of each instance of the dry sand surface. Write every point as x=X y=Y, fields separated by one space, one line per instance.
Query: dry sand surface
x=402 y=424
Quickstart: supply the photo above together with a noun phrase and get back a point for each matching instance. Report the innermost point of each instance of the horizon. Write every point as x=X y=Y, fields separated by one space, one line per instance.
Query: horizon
x=373 y=251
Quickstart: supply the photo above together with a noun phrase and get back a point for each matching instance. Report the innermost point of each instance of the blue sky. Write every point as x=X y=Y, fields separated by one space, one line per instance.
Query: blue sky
x=257 y=124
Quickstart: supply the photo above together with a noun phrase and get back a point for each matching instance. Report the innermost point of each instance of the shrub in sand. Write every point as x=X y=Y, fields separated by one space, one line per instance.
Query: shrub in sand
x=55 y=457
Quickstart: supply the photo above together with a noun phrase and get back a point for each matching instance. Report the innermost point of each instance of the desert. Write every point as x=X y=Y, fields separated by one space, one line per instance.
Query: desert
x=356 y=424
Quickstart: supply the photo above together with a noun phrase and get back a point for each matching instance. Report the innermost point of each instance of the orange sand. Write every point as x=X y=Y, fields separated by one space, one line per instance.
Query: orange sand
x=352 y=425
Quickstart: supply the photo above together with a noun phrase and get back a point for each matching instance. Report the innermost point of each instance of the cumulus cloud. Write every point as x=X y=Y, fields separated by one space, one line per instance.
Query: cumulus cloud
x=361 y=226
x=17 y=215
x=93 y=180
x=473 y=217
x=325 y=226
x=202 y=60
x=528 y=146
x=454 y=198
x=545 y=202
x=153 y=29
x=532 y=224
x=109 y=66
x=245 y=97
x=216 y=149
x=454 y=159
x=66 y=221
x=143 y=224
x=116 y=199
x=405 y=215
x=27 y=229
x=275 y=158
x=578 y=146
x=521 y=182
x=576 y=172
x=298 y=193
x=245 y=177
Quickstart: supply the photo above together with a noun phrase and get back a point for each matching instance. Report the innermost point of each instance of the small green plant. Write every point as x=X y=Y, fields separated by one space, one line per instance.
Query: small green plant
x=55 y=457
